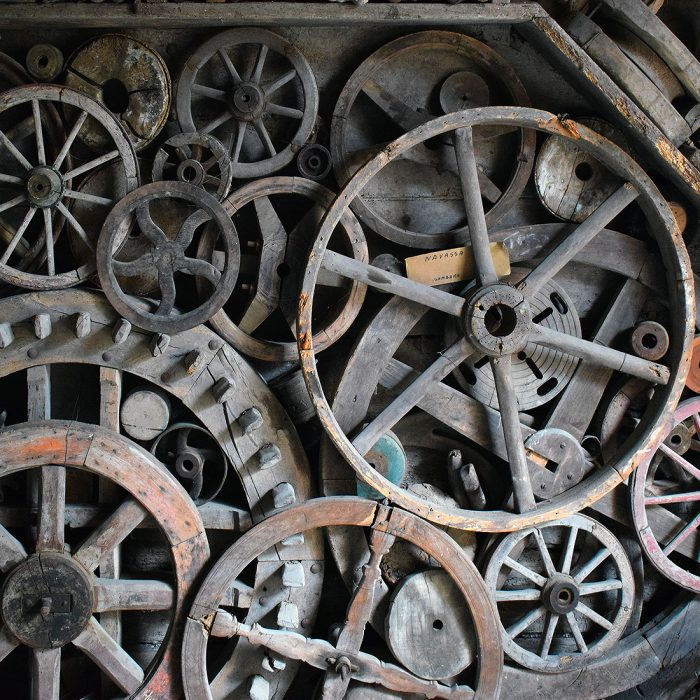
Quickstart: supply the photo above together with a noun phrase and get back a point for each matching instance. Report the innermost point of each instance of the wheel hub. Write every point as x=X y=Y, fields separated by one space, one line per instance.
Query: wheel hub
x=191 y=171
x=497 y=320
x=560 y=594
x=44 y=186
x=47 y=600
x=248 y=101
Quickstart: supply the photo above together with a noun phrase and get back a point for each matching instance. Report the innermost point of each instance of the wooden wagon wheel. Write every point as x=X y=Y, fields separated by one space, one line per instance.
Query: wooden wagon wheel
x=496 y=321
x=343 y=661
x=278 y=271
x=42 y=185
x=578 y=577
x=168 y=255
x=400 y=81
x=260 y=83
x=51 y=595
x=199 y=159
x=664 y=497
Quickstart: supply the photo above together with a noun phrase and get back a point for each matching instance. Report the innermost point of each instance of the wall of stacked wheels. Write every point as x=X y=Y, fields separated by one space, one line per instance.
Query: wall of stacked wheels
x=348 y=350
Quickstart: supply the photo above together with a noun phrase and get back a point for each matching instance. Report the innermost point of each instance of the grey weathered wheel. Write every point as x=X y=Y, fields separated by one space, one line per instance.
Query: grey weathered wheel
x=343 y=661
x=269 y=95
x=41 y=185
x=546 y=573
x=51 y=595
x=167 y=254
x=515 y=330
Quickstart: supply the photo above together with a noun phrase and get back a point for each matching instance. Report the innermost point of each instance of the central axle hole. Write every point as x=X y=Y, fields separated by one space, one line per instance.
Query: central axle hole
x=565 y=596
x=115 y=96
x=584 y=171
x=189 y=174
x=649 y=340
x=245 y=98
x=43 y=61
x=438 y=624
x=500 y=320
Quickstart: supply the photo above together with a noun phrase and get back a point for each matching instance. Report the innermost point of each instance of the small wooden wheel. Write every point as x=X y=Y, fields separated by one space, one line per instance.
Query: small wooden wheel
x=416 y=202
x=168 y=255
x=255 y=92
x=570 y=576
x=665 y=494
x=497 y=324
x=52 y=597
x=343 y=661
x=278 y=269
x=39 y=183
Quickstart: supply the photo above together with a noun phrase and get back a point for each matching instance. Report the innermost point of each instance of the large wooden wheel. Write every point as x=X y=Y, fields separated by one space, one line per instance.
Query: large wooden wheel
x=52 y=597
x=496 y=323
x=343 y=661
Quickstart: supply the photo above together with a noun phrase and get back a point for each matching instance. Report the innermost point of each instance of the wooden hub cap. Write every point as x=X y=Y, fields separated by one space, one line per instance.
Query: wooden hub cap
x=47 y=600
x=560 y=594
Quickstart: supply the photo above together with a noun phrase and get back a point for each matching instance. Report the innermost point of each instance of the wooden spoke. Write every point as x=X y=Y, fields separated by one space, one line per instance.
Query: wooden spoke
x=70 y=139
x=207 y=91
x=683 y=535
x=672 y=498
x=593 y=615
x=114 y=662
x=681 y=461
x=396 y=109
x=92 y=164
x=229 y=66
x=600 y=354
x=587 y=569
x=402 y=404
x=46 y=674
x=8 y=642
x=52 y=506
x=142 y=265
x=395 y=284
x=240 y=136
x=525 y=622
x=517 y=594
x=12 y=551
x=39 y=133
x=87 y=197
x=508 y=406
x=282 y=111
x=48 y=241
x=200 y=268
x=576 y=241
x=75 y=225
x=166 y=284
x=19 y=234
x=473 y=203
x=528 y=573
x=148 y=227
x=121 y=594
x=544 y=553
x=599 y=586
x=576 y=631
x=550 y=626
x=277 y=83
x=11 y=179
x=10 y=203
x=216 y=122
x=264 y=135
x=112 y=532
x=259 y=63
x=568 y=553
x=6 y=143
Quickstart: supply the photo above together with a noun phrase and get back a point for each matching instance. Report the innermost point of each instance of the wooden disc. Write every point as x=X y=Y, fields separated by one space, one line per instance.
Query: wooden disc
x=680 y=215
x=428 y=627
x=693 y=379
x=145 y=414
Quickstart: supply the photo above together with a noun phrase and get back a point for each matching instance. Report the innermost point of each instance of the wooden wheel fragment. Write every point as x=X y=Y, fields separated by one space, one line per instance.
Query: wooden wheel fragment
x=51 y=595
x=276 y=274
x=496 y=322
x=564 y=592
x=343 y=661
x=168 y=255
x=41 y=183
x=255 y=92
x=665 y=493
x=416 y=201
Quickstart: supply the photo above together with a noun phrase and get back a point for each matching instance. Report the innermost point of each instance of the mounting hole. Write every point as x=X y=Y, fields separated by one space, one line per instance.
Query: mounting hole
x=584 y=171
x=115 y=95
x=438 y=624
x=676 y=439
x=548 y=386
x=283 y=269
x=500 y=320
x=522 y=356
x=649 y=341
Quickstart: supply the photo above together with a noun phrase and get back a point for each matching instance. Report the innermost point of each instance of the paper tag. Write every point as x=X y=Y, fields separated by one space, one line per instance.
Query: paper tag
x=453 y=265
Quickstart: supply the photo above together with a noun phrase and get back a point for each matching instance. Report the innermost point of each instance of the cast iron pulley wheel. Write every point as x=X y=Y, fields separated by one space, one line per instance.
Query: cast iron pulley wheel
x=564 y=592
x=407 y=82
x=286 y=212
x=496 y=322
x=255 y=92
x=342 y=661
x=51 y=593
x=665 y=493
x=199 y=159
x=181 y=209
x=39 y=183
